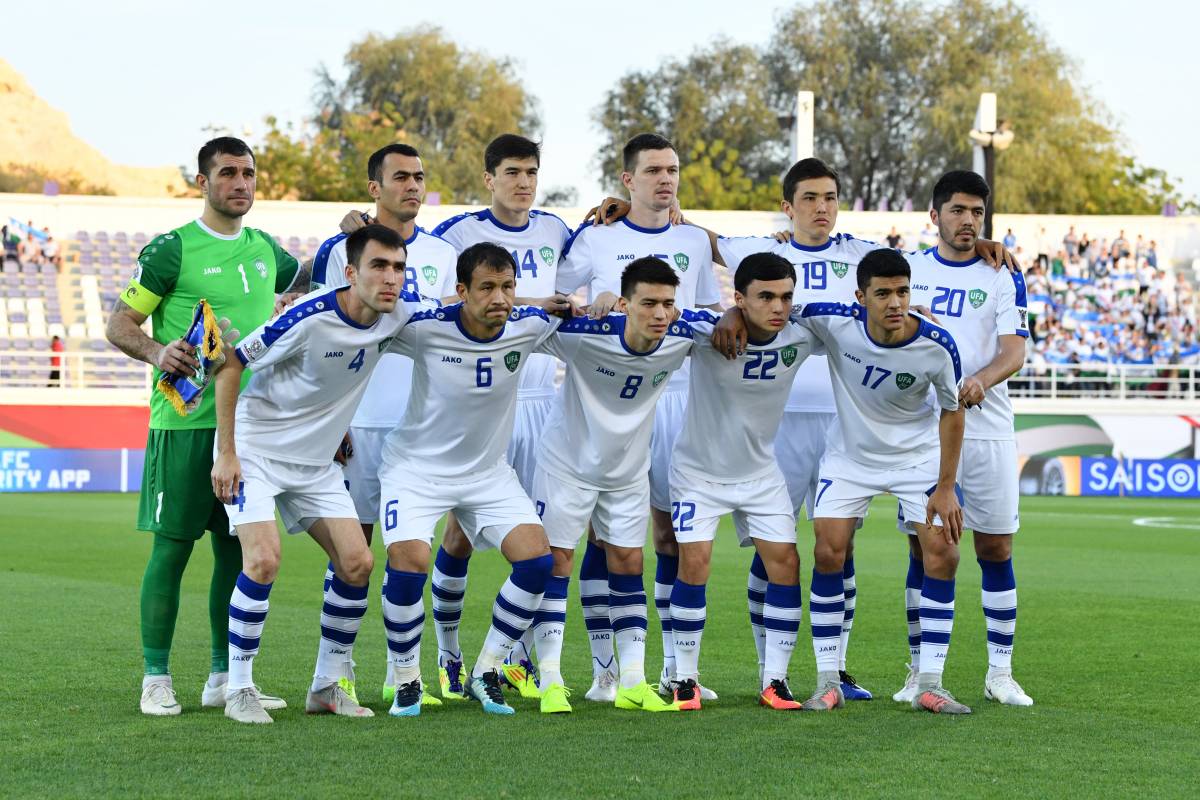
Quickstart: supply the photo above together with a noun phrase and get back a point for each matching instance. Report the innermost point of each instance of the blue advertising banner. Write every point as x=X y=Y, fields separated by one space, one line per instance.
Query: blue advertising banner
x=53 y=470
x=1131 y=477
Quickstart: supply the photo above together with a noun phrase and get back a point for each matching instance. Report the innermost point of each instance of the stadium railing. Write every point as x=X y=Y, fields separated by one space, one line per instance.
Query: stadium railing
x=23 y=369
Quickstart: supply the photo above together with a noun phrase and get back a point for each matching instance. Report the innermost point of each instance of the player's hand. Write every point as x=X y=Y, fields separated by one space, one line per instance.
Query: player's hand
x=944 y=503
x=729 y=336
x=226 y=477
x=284 y=301
x=783 y=237
x=355 y=220
x=559 y=305
x=677 y=213
x=229 y=334
x=345 y=450
x=996 y=255
x=609 y=211
x=925 y=312
x=602 y=305
x=972 y=392
x=177 y=358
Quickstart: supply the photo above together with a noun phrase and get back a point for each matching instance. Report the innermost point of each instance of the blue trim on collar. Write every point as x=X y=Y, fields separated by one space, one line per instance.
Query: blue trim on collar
x=338 y=308
x=488 y=216
x=807 y=249
x=640 y=229
x=933 y=252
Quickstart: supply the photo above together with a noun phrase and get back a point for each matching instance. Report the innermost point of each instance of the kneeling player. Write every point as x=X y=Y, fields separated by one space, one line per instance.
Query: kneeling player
x=467 y=360
x=887 y=358
x=311 y=367
x=724 y=462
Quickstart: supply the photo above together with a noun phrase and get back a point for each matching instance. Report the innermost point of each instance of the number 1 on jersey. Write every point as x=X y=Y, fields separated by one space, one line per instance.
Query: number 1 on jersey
x=245 y=283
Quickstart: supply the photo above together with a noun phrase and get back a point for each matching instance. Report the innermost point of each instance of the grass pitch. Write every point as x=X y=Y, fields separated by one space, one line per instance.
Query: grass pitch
x=1106 y=645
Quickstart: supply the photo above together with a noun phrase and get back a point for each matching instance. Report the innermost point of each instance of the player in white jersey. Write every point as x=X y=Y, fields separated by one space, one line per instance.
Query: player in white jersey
x=594 y=464
x=275 y=447
x=447 y=454
x=724 y=462
x=985 y=311
x=887 y=365
x=595 y=258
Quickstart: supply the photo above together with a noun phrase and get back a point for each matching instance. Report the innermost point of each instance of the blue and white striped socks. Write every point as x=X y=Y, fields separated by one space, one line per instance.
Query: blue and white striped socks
x=247 y=612
x=781 y=623
x=756 y=593
x=688 y=612
x=627 y=609
x=826 y=611
x=665 y=573
x=404 y=620
x=341 y=617
x=548 y=625
x=513 y=611
x=937 y=621
x=593 y=596
x=449 y=588
x=850 y=590
x=999 y=612
x=912 y=609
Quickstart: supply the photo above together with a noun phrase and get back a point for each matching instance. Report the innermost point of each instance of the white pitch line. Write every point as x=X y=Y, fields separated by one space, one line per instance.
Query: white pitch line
x=1174 y=523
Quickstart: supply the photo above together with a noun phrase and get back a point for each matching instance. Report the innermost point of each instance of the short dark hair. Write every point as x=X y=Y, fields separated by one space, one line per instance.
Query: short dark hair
x=222 y=145
x=375 y=162
x=647 y=269
x=882 y=263
x=483 y=254
x=762 y=267
x=807 y=169
x=510 y=145
x=643 y=141
x=959 y=181
x=357 y=241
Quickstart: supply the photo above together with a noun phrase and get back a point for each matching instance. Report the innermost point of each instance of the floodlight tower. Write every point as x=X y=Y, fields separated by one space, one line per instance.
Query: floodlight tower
x=802 y=127
x=987 y=136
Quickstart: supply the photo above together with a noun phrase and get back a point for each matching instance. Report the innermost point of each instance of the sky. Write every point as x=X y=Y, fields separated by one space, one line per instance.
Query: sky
x=142 y=80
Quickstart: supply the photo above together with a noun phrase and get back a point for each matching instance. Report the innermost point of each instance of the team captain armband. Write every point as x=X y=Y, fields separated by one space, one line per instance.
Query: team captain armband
x=182 y=392
x=139 y=298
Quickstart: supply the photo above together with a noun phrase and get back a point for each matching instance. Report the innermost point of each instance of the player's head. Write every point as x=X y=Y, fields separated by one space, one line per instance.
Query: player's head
x=225 y=175
x=375 y=260
x=651 y=171
x=510 y=171
x=883 y=287
x=396 y=180
x=763 y=287
x=648 y=297
x=959 y=200
x=810 y=199
x=487 y=284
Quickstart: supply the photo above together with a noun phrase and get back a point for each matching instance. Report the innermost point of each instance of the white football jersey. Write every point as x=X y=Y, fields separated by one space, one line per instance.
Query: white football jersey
x=598 y=433
x=537 y=247
x=825 y=274
x=978 y=305
x=311 y=367
x=429 y=271
x=598 y=254
x=460 y=411
x=886 y=419
x=735 y=407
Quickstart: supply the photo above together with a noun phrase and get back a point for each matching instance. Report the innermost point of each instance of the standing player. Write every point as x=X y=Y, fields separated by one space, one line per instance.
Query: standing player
x=724 y=462
x=396 y=182
x=887 y=360
x=594 y=464
x=238 y=270
x=985 y=311
x=595 y=258
x=448 y=455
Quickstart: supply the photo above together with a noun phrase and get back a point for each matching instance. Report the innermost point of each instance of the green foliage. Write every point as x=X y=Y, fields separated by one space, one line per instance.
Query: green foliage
x=713 y=178
x=26 y=179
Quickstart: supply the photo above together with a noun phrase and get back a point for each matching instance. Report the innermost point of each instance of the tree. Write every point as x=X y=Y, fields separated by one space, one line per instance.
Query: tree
x=25 y=179
x=417 y=87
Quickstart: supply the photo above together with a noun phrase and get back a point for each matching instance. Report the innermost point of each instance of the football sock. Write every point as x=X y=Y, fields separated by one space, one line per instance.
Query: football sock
x=403 y=620
x=999 y=611
x=937 y=620
x=664 y=584
x=548 y=625
x=328 y=577
x=449 y=587
x=912 y=608
x=160 y=600
x=781 y=621
x=850 y=590
x=627 y=607
x=756 y=588
x=227 y=565
x=341 y=617
x=247 y=613
x=826 y=608
x=593 y=596
x=687 y=620
x=523 y=649
x=513 y=611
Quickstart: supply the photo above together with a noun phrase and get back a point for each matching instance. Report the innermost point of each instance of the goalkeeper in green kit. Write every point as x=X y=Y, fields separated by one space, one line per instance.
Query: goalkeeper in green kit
x=238 y=271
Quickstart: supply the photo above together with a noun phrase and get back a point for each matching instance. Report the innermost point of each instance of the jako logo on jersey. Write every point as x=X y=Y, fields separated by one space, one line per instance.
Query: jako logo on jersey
x=451 y=360
x=334 y=354
x=660 y=377
x=212 y=270
x=628 y=257
x=547 y=254
x=430 y=273
x=605 y=371
x=512 y=359
x=977 y=297
x=788 y=354
x=681 y=261
x=855 y=359
x=839 y=268
x=904 y=380
x=920 y=287
x=261 y=267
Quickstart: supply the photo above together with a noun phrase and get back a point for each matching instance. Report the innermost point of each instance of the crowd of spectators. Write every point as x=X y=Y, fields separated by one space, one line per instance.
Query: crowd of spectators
x=34 y=247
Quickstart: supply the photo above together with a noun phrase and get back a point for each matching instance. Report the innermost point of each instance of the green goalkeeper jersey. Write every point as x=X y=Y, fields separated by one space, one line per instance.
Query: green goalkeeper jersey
x=238 y=275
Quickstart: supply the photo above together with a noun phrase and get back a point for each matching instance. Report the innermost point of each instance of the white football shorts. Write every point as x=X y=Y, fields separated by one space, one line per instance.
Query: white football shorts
x=987 y=473
x=668 y=422
x=845 y=489
x=799 y=446
x=362 y=471
x=618 y=517
x=529 y=423
x=761 y=508
x=303 y=493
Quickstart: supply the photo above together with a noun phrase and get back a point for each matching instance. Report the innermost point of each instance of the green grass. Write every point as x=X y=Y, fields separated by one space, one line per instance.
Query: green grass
x=1106 y=645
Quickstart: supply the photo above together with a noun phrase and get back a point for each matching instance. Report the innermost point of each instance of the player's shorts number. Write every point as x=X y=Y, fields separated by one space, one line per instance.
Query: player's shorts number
x=630 y=389
x=948 y=301
x=483 y=372
x=878 y=373
x=681 y=516
x=825 y=484
x=391 y=516
x=759 y=365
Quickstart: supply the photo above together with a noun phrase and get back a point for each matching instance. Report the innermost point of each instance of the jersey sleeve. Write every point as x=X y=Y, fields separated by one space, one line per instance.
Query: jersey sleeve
x=947 y=377
x=449 y=284
x=702 y=321
x=321 y=262
x=1012 y=306
x=575 y=268
x=565 y=339
x=155 y=274
x=286 y=265
x=333 y=272
x=734 y=249
x=275 y=341
x=708 y=291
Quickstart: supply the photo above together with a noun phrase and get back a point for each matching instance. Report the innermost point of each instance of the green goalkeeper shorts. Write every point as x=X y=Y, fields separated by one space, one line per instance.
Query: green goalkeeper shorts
x=176 y=497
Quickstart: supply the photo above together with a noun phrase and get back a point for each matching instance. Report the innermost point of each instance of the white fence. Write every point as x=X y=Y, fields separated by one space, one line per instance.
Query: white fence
x=72 y=369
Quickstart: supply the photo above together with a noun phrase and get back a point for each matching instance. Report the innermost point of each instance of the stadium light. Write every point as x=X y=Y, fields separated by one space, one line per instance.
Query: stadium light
x=988 y=136
x=802 y=127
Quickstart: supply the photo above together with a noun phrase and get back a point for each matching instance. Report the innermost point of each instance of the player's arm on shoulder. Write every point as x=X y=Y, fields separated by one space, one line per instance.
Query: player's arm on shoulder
x=354 y=220
x=996 y=255
x=574 y=266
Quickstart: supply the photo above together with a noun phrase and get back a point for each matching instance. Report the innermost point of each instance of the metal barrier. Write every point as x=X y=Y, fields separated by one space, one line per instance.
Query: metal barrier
x=1107 y=381
x=78 y=369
